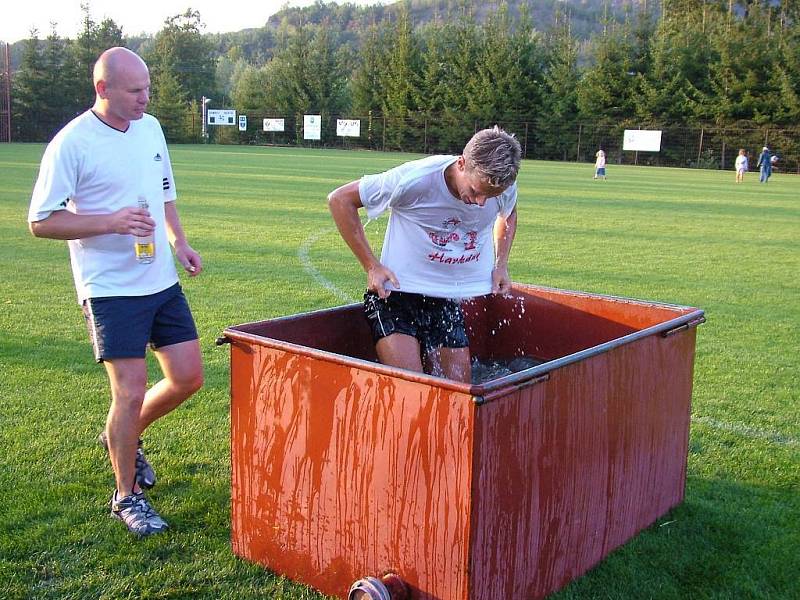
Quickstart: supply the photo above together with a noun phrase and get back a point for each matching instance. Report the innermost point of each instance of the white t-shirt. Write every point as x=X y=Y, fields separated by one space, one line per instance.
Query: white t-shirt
x=435 y=243
x=741 y=162
x=91 y=168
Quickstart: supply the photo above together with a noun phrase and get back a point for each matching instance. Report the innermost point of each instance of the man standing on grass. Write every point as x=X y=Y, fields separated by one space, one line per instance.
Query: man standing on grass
x=765 y=165
x=90 y=178
x=449 y=236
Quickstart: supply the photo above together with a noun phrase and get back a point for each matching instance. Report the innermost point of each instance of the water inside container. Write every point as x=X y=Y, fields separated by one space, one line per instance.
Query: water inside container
x=485 y=370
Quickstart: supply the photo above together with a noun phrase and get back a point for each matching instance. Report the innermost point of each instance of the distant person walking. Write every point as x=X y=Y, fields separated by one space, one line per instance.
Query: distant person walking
x=600 y=165
x=741 y=165
x=765 y=164
x=91 y=177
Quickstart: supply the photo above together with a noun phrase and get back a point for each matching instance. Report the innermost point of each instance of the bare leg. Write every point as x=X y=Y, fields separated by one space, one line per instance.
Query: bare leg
x=182 y=367
x=456 y=364
x=132 y=410
x=128 y=379
x=399 y=350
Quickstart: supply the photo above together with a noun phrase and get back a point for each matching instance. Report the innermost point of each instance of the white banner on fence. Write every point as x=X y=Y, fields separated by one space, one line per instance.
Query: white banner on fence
x=642 y=139
x=273 y=124
x=348 y=127
x=221 y=117
x=242 y=122
x=312 y=127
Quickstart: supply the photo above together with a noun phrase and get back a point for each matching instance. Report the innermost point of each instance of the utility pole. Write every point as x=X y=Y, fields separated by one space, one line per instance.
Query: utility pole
x=7 y=96
x=204 y=111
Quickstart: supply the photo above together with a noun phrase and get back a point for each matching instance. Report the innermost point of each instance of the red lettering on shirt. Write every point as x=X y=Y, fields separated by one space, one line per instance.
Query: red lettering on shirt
x=451 y=260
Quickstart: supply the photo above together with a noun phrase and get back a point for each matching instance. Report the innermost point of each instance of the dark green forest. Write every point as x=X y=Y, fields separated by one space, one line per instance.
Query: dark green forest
x=565 y=76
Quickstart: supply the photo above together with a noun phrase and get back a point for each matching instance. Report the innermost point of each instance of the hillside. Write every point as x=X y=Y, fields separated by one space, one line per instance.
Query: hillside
x=257 y=44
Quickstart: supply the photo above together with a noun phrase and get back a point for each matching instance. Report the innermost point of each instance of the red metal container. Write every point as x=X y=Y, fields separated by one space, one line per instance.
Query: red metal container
x=342 y=467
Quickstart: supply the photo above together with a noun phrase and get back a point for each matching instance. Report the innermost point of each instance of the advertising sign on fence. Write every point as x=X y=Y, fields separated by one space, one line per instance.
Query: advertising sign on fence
x=312 y=127
x=273 y=124
x=642 y=140
x=348 y=127
x=221 y=117
x=242 y=122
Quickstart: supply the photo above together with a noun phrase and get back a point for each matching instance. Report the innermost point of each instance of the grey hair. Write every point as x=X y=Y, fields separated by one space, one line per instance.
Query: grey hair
x=494 y=154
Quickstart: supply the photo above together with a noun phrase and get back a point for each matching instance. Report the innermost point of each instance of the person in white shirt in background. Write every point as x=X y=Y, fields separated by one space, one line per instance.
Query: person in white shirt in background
x=600 y=165
x=91 y=177
x=452 y=225
x=741 y=165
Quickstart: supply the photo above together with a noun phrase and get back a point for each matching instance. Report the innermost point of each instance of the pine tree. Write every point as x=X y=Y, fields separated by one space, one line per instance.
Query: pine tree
x=325 y=76
x=450 y=123
x=250 y=91
x=786 y=78
x=366 y=82
x=181 y=49
x=607 y=89
x=557 y=121
x=291 y=70
x=91 y=42
x=30 y=93
x=168 y=103
x=402 y=89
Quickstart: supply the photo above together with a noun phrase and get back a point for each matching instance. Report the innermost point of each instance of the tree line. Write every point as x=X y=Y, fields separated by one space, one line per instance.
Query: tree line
x=698 y=63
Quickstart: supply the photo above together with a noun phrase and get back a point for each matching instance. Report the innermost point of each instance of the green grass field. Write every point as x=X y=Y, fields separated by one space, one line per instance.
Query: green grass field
x=258 y=216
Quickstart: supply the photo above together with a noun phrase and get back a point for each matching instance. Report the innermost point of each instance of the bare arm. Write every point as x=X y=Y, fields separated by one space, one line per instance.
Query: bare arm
x=504 y=231
x=185 y=254
x=64 y=225
x=344 y=203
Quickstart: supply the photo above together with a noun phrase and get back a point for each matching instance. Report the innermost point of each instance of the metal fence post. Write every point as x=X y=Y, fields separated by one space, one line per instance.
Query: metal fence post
x=525 y=148
x=700 y=150
x=7 y=94
x=425 y=139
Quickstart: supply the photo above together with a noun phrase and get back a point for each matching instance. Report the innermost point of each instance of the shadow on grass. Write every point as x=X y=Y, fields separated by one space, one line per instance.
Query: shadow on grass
x=726 y=540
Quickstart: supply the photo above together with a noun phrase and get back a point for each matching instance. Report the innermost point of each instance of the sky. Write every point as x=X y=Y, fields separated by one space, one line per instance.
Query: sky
x=139 y=16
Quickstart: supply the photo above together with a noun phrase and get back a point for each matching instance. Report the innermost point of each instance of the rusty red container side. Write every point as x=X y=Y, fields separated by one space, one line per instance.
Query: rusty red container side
x=343 y=468
x=339 y=472
x=587 y=459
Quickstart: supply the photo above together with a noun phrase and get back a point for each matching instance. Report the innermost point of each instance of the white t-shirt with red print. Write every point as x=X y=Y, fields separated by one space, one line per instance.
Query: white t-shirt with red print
x=435 y=243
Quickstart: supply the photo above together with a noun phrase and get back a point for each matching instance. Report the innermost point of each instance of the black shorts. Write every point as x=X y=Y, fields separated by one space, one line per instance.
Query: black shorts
x=123 y=326
x=435 y=322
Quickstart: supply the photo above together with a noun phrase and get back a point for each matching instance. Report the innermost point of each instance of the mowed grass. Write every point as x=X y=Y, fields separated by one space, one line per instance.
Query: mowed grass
x=259 y=218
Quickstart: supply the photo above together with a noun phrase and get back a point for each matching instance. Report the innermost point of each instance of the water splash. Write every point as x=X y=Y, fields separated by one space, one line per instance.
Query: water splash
x=486 y=370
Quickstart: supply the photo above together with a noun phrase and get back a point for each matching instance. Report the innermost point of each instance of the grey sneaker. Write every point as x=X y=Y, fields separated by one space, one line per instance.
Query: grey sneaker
x=135 y=511
x=145 y=476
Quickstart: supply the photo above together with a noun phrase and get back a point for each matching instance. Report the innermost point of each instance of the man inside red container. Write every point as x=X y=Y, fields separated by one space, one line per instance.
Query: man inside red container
x=452 y=224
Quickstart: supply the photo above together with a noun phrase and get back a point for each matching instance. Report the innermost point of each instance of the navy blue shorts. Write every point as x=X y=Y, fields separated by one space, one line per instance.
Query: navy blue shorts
x=123 y=326
x=435 y=322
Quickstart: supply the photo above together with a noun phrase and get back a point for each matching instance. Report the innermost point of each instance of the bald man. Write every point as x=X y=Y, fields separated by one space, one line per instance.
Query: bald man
x=90 y=180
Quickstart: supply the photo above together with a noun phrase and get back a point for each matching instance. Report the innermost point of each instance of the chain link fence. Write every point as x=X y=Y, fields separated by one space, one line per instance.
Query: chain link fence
x=540 y=138
x=681 y=146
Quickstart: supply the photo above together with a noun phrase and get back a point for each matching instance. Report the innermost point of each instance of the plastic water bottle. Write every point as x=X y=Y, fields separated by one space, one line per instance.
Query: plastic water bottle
x=144 y=245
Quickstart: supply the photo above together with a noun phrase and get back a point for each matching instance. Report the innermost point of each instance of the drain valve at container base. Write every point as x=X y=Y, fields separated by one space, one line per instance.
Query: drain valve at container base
x=388 y=587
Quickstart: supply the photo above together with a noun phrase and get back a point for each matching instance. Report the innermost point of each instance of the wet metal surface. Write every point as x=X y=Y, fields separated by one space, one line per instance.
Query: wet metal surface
x=344 y=468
